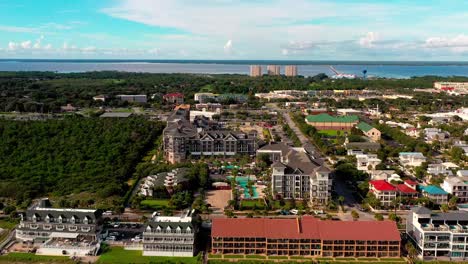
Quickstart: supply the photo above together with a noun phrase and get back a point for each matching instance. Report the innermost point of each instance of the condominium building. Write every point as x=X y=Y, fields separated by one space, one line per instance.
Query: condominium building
x=290 y=70
x=457 y=186
x=438 y=234
x=306 y=236
x=452 y=87
x=182 y=139
x=174 y=98
x=173 y=236
x=60 y=231
x=273 y=70
x=255 y=70
x=296 y=175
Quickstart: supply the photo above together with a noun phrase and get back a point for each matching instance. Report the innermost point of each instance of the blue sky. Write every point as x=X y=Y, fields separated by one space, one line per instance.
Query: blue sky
x=229 y=29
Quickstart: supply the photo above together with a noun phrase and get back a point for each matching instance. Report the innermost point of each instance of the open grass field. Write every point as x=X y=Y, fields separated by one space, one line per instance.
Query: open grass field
x=117 y=255
x=32 y=258
x=156 y=204
x=250 y=204
x=331 y=133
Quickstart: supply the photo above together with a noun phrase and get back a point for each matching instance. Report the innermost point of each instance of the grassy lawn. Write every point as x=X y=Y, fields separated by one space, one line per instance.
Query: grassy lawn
x=32 y=258
x=250 y=204
x=214 y=256
x=255 y=257
x=368 y=259
x=331 y=133
x=117 y=255
x=7 y=224
x=234 y=256
x=158 y=204
x=277 y=257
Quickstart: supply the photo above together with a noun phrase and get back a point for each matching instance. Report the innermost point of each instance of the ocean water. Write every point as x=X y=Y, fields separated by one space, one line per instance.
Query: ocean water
x=306 y=68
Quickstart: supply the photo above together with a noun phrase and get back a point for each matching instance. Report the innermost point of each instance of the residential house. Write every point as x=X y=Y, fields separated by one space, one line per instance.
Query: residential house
x=174 y=98
x=457 y=186
x=438 y=235
x=60 y=231
x=383 y=191
x=367 y=162
x=435 y=134
x=411 y=159
x=101 y=98
x=439 y=169
x=306 y=236
x=412 y=132
x=296 y=175
x=163 y=180
x=328 y=122
x=369 y=131
x=434 y=193
x=381 y=174
x=408 y=189
x=173 y=236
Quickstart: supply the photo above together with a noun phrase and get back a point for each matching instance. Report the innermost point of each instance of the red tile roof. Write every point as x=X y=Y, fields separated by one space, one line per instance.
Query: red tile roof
x=382 y=185
x=411 y=182
x=174 y=95
x=307 y=227
x=405 y=189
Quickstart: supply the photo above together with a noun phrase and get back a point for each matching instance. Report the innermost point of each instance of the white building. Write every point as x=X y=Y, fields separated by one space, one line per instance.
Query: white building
x=173 y=236
x=435 y=134
x=457 y=186
x=367 y=162
x=438 y=234
x=411 y=159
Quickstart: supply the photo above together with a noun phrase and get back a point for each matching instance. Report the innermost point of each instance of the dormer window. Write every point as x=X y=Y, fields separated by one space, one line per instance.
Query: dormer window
x=168 y=229
x=148 y=229
x=158 y=229
x=36 y=218
x=188 y=230
x=86 y=220
x=73 y=220
x=178 y=230
x=61 y=219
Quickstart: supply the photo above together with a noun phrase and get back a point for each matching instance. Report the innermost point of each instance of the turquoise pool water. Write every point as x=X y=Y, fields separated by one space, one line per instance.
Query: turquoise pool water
x=242 y=181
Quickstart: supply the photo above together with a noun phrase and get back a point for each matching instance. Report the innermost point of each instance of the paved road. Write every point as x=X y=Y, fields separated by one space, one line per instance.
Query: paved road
x=308 y=146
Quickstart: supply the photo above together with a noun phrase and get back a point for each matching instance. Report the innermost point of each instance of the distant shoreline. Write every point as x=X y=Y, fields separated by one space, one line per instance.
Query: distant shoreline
x=248 y=62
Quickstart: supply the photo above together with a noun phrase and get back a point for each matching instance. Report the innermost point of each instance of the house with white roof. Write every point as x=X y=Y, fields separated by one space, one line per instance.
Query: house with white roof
x=411 y=159
x=367 y=162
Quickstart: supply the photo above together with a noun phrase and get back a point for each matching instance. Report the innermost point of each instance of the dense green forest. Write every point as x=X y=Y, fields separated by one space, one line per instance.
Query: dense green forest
x=47 y=91
x=72 y=155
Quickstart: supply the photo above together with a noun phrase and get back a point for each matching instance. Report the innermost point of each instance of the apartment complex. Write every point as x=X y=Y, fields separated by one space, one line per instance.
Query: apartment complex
x=62 y=231
x=438 y=234
x=328 y=122
x=296 y=175
x=290 y=70
x=255 y=70
x=173 y=236
x=452 y=87
x=273 y=70
x=306 y=236
x=182 y=139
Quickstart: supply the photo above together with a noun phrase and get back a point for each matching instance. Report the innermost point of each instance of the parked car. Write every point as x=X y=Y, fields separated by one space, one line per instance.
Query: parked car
x=294 y=211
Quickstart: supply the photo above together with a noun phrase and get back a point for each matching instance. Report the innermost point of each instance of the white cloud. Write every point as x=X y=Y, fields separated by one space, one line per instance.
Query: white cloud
x=441 y=42
x=154 y=51
x=228 y=47
x=12 y=46
x=368 y=40
x=26 y=44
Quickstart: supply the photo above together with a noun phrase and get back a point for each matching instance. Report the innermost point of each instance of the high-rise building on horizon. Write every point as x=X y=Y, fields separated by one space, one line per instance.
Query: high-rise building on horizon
x=255 y=70
x=290 y=70
x=273 y=70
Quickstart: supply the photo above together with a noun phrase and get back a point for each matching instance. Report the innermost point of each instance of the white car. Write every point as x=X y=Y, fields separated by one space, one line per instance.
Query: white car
x=294 y=211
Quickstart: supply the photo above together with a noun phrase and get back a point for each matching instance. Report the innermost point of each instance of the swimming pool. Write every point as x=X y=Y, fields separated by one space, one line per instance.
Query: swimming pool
x=243 y=181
